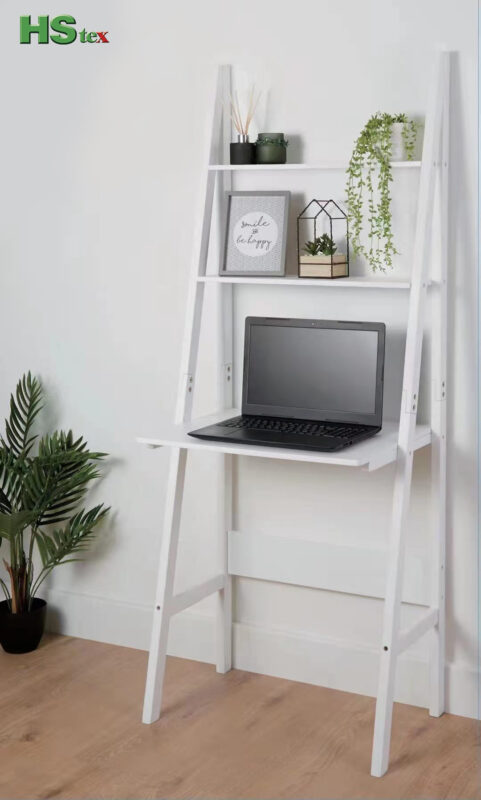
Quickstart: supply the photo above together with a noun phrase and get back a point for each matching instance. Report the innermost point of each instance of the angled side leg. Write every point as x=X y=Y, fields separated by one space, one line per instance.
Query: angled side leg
x=407 y=421
x=224 y=598
x=438 y=426
x=165 y=585
x=438 y=479
x=225 y=323
x=392 y=611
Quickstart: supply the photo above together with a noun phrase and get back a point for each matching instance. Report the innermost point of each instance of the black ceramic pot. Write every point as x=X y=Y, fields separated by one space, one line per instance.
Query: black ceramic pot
x=21 y=633
x=242 y=151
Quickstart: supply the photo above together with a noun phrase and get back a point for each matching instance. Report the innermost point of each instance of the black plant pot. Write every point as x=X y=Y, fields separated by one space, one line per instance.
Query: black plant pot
x=21 y=633
x=242 y=153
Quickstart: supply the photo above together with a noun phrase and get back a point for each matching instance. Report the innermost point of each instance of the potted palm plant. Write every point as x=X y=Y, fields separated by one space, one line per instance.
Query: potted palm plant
x=42 y=484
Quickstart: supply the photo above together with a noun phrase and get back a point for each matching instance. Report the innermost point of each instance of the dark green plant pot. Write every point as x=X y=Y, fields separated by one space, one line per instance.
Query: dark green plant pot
x=21 y=633
x=273 y=151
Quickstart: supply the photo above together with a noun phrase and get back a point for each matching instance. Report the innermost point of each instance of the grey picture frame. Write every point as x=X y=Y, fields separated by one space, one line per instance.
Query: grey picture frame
x=277 y=255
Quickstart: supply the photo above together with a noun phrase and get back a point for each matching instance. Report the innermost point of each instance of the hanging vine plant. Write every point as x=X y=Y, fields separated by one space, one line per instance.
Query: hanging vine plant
x=369 y=176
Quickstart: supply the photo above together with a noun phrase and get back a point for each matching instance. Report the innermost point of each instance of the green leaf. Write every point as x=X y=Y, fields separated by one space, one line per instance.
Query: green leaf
x=372 y=153
x=13 y=524
x=60 y=545
x=24 y=407
x=58 y=477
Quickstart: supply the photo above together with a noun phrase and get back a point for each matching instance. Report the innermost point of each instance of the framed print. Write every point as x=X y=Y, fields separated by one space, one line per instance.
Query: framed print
x=255 y=233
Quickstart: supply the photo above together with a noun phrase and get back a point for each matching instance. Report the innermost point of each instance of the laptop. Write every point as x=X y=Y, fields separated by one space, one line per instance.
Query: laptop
x=308 y=384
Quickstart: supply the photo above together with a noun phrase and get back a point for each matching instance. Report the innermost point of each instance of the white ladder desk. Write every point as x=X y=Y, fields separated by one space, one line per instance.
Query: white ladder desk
x=396 y=443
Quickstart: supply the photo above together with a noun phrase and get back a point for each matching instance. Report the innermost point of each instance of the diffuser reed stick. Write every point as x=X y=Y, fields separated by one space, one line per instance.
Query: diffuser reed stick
x=242 y=123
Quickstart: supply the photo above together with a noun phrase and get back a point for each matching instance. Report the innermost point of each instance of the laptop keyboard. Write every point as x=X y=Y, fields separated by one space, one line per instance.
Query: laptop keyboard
x=298 y=427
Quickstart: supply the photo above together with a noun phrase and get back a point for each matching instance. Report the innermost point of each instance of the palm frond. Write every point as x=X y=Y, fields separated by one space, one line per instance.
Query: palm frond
x=12 y=524
x=58 y=477
x=65 y=545
x=24 y=407
x=13 y=469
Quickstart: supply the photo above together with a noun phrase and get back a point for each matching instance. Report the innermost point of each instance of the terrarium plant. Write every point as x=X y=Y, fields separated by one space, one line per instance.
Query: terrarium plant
x=321 y=244
x=369 y=176
x=312 y=248
x=43 y=481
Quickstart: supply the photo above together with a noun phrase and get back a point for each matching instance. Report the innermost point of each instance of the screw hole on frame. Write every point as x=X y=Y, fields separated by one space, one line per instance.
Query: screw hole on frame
x=385 y=647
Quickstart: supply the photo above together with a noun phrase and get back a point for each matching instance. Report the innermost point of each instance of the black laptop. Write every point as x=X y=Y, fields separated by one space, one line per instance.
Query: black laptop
x=308 y=384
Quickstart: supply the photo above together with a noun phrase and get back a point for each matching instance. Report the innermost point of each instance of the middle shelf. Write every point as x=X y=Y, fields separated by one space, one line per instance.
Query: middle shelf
x=292 y=280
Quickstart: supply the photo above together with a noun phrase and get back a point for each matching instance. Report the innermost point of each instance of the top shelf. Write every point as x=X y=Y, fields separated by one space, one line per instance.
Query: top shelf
x=339 y=165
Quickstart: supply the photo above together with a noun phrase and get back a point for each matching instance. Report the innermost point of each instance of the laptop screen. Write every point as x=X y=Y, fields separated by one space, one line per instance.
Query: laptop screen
x=314 y=369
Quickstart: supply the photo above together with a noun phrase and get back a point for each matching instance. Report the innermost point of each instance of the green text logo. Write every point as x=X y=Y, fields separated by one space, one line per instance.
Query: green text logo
x=63 y=29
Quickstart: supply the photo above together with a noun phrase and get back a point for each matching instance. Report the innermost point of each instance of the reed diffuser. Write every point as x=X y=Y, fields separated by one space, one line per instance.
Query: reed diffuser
x=243 y=151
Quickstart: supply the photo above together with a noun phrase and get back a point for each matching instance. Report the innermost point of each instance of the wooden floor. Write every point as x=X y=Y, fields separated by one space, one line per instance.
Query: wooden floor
x=70 y=728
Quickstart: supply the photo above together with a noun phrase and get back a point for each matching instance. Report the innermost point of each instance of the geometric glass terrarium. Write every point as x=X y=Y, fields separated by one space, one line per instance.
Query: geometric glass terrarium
x=323 y=241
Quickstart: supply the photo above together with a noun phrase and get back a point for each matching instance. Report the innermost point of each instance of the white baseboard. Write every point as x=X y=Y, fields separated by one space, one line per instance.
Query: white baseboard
x=284 y=654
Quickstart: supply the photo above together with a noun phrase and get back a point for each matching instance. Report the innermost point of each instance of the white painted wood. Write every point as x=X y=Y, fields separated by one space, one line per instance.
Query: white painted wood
x=190 y=597
x=420 y=628
x=199 y=262
x=337 y=283
x=438 y=424
x=165 y=585
x=324 y=565
x=396 y=443
x=168 y=553
x=403 y=477
x=224 y=599
x=225 y=306
x=337 y=165
x=370 y=454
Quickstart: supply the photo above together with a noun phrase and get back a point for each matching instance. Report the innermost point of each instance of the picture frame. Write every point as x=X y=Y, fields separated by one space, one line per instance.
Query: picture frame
x=255 y=234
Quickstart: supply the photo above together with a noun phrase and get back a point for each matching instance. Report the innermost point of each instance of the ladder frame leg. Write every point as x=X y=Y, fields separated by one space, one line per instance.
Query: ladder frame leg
x=189 y=357
x=438 y=425
x=225 y=306
x=165 y=587
x=224 y=596
x=407 y=422
x=392 y=613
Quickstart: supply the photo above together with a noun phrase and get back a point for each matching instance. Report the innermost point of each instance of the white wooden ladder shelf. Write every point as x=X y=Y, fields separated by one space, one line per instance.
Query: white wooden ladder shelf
x=394 y=444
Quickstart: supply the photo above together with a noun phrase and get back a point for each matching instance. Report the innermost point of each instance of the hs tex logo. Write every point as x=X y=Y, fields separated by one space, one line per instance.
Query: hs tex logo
x=64 y=32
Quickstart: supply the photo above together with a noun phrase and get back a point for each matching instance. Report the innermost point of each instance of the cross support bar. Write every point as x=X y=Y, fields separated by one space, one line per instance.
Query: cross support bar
x=188 y=598
x=422 y=626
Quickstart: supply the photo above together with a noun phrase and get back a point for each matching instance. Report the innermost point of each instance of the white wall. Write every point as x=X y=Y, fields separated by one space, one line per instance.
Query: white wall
x=101 y=159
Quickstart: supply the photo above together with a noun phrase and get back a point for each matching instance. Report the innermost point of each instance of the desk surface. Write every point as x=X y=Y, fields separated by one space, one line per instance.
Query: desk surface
x=370 y=454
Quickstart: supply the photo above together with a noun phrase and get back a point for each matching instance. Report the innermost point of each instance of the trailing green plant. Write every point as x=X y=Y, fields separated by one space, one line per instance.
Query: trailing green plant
x=371 y=155
x=42 y=484
x=321 y=244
